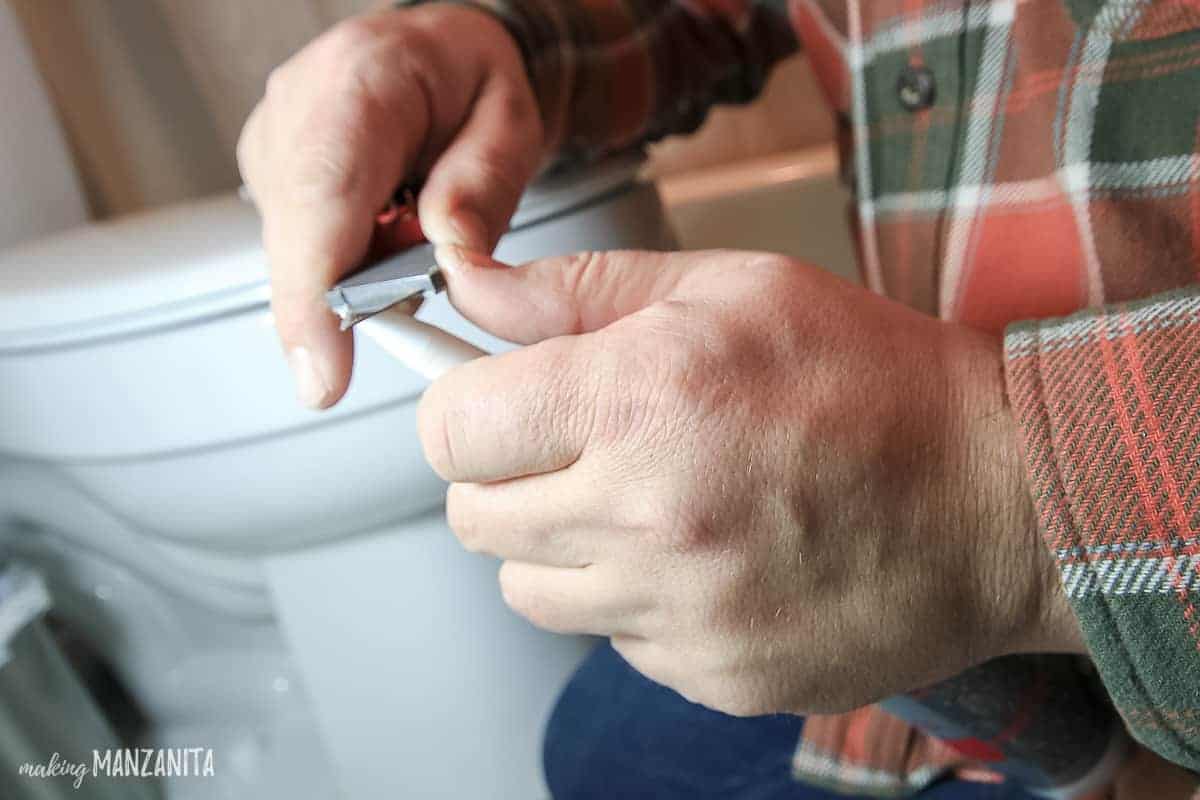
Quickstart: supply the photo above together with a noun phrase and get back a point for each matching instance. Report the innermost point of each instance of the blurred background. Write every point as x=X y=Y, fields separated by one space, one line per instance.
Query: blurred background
x=152 y=94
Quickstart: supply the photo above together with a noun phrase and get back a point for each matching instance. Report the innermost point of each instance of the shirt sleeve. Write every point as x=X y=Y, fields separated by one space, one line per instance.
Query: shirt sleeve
x=1108 y=403
x=611 y=74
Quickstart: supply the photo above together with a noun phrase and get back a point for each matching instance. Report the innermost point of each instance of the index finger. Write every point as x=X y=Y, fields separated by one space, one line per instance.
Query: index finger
x=526 y=412
x=322 y=169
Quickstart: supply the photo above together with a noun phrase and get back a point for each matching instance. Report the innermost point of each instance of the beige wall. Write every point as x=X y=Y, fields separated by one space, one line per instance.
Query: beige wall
x=790 y=115
x=152 y=93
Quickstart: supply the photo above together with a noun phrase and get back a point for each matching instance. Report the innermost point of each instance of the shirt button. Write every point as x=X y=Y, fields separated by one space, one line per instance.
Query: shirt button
x=916 y=88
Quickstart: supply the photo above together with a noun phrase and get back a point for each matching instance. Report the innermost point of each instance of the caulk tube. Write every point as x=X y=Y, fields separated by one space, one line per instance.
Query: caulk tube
x=421 y=347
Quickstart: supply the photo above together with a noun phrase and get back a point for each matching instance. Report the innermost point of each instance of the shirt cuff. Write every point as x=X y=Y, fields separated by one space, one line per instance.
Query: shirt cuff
x=1108 y=406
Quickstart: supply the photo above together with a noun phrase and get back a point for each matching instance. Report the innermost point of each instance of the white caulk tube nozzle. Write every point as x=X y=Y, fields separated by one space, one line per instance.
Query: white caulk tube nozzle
x=421 y=347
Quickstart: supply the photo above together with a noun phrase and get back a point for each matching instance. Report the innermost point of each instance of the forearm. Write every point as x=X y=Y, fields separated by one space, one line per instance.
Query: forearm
x=609 y=75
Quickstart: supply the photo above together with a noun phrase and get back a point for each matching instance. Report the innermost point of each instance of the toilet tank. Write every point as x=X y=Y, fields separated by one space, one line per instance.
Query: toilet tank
x=42 y=194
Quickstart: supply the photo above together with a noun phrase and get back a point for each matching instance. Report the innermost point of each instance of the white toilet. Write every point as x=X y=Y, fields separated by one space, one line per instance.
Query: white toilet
x=275 y=584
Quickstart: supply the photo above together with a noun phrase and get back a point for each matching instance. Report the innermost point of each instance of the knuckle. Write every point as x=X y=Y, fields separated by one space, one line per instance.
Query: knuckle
x=579 y=275
x=344 y=134
x=523 y=600
x=676 y=382
x=684 y=364
x=436 y=435
x=341 y=140
x=688 y=528
x=773 y=264
x=518 y=112
x=493 y=169
x=564 y=387
x=775 y=276
x=325 y=169
x=540 y=608
x=516 y=104
x=464 y=519
x=248 y=148
x=554 y=405
x=244 y=151
x=349 y=38
x=376 y=58
x=278 y=82
x=764 y=266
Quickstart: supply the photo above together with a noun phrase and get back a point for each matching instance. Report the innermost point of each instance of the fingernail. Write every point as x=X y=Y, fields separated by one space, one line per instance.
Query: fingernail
x=312 y=389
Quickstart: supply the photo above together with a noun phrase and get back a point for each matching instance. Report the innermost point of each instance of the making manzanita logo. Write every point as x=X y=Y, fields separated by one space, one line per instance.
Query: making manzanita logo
x=130 y=762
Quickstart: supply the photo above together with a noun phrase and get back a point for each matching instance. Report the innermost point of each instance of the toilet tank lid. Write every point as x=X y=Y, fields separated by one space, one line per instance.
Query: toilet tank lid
x=94 y=281
x=178 y=263
x=564 y=190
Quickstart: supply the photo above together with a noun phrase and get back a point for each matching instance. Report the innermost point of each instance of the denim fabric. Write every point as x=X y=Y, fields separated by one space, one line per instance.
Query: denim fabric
x=615 y=735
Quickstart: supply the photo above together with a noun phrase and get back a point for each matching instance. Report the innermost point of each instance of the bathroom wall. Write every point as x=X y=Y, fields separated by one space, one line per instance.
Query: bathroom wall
x=790 y=116
x=152 y=93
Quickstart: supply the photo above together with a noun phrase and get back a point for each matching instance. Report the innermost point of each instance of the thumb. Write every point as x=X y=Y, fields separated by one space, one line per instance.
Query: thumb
x=559 y=296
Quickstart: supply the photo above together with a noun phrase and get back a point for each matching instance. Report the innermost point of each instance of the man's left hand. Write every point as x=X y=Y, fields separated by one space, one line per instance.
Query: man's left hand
x=774 y=490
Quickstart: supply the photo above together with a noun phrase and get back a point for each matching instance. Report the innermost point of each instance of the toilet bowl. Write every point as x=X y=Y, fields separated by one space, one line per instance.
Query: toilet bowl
x=275 y=584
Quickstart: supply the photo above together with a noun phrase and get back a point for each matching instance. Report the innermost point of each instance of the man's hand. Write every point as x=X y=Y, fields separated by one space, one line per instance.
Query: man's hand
x=775 y=491
x=437 y=92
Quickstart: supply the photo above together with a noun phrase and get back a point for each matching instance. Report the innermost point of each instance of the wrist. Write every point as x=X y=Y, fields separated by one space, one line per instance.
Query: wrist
x=1022 y=605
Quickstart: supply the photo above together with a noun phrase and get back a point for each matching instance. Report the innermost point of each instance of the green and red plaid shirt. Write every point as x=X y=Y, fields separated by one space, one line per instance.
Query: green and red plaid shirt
x=1014 y=161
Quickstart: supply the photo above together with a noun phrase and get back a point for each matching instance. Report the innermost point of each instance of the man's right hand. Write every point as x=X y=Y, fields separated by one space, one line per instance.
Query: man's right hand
x=436 y=92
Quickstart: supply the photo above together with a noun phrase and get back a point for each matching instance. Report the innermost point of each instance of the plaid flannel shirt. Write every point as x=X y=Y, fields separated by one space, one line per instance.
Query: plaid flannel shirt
x=1014 y=161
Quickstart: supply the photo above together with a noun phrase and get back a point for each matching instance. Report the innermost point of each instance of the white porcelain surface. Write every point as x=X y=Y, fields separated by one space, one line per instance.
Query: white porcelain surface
x=425 y=684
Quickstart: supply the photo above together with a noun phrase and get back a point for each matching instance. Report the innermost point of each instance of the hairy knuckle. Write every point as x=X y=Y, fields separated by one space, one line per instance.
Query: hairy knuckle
x=687 y=525
x=687 y=533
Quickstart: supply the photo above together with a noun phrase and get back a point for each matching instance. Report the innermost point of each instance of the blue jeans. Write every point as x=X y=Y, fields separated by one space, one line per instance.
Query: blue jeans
x=616 y=735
